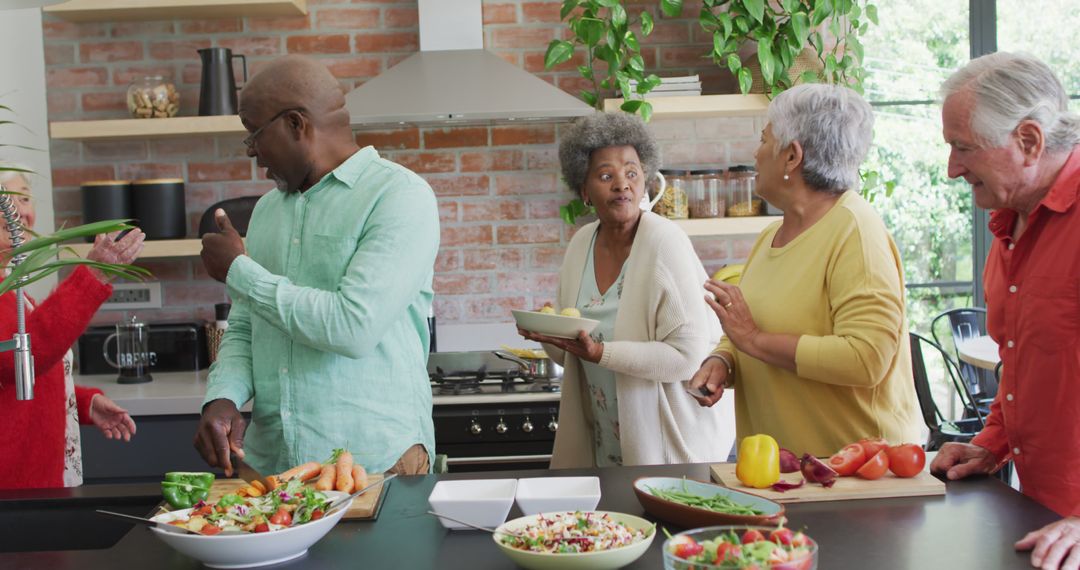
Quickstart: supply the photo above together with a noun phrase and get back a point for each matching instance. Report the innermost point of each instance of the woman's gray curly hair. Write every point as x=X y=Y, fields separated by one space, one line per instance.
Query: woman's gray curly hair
x=834 y=125
x=603 y=130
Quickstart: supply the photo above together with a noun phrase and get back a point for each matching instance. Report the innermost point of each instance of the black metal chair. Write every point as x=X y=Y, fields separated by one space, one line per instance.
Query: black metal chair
x=942 y=430
x=966 y=323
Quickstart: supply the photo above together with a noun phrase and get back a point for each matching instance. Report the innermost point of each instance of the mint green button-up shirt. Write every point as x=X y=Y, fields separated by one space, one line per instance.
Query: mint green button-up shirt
x=328 y=330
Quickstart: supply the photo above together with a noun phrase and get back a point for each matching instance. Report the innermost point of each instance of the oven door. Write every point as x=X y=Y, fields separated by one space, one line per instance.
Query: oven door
x=491 y=437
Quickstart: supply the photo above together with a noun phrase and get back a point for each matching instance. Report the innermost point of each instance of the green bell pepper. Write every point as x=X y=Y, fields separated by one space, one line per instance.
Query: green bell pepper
x=182 y=489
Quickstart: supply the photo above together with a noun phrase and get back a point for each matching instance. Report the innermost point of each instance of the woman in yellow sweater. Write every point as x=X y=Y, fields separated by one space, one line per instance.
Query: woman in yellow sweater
x=815 y=341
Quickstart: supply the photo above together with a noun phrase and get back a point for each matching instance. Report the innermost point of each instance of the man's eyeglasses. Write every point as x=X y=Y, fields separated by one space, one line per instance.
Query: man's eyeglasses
x=249 y=141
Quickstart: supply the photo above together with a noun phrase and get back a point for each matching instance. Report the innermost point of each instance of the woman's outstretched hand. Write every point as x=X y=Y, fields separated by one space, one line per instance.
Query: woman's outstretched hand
x=111 y=419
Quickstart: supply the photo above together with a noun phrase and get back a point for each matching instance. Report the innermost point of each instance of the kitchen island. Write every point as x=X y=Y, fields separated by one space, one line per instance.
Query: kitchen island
x=973 y=526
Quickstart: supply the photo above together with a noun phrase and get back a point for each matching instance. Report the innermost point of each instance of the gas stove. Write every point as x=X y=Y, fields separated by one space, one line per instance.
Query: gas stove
x=488 y=414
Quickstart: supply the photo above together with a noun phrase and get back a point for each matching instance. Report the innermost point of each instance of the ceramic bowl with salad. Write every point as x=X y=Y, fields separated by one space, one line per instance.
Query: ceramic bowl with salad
x=240 y=532
x=731 y=547
x=578 y=540
x=691 y=504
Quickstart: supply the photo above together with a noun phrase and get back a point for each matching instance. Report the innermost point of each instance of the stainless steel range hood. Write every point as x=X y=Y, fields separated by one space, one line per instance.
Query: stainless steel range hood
x=452 y=80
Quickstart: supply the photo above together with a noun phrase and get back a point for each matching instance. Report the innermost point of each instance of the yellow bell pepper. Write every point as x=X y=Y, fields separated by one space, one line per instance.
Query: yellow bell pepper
x=758 y=465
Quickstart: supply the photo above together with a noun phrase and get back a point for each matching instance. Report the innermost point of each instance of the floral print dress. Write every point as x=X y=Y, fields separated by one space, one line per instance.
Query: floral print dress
x=600 y=382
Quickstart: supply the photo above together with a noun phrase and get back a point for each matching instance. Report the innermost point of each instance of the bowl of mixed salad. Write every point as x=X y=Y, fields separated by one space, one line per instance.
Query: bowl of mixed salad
x=578 y=540
x=241 y=532
x=744 y=547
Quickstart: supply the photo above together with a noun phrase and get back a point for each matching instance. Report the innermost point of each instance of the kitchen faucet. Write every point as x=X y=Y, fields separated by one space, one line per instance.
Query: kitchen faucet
x=20 y=342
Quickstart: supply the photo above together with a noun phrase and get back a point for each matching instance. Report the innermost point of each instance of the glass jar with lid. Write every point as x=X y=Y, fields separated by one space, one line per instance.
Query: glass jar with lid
x=153 y=97
x=674 y=204
x=707 y=193
x=743 y=201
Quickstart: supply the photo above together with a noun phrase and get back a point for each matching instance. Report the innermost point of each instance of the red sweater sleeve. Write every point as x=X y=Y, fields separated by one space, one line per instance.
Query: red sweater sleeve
x=56 y=323
x=83 y=396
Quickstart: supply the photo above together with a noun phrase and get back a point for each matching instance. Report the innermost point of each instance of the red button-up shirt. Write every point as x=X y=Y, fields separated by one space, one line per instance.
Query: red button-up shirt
x=1033 y=313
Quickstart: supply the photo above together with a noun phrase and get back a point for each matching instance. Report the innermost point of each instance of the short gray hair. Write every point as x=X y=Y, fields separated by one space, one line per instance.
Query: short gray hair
x=834 y=125
x=1014 y=87
x=603 y=130
x=9 y=175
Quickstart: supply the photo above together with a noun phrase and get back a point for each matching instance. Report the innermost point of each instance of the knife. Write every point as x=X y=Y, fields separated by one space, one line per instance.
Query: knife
x=339 y=502
x=248 y=473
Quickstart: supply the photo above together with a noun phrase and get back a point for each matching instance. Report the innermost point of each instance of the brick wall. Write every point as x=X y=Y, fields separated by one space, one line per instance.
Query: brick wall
x=498 y=186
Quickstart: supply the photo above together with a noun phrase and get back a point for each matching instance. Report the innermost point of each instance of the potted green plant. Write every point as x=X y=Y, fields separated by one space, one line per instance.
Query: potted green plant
x=39 y=257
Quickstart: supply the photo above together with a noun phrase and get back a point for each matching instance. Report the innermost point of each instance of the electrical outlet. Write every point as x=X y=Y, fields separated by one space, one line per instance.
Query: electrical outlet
x=146 y=295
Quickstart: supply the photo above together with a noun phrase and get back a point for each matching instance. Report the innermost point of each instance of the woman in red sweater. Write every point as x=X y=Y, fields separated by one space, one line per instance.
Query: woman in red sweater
x=39 y=438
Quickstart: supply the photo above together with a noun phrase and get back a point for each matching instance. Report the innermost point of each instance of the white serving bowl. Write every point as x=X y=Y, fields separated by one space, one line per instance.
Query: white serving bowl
x=248 y=549
x=600 y=560
x=482 y=502
x=553 y=325
x=552 y=494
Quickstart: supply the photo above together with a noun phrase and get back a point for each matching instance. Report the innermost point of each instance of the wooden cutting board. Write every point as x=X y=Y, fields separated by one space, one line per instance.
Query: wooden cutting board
x=845 y=488
x=364 y=507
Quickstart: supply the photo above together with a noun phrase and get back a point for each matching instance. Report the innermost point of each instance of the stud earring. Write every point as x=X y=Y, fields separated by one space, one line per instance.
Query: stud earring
x=588 y=202
x=786 y=177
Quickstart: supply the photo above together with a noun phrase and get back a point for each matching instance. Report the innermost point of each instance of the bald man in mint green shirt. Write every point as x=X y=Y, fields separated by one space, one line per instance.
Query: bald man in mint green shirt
x=328 y=331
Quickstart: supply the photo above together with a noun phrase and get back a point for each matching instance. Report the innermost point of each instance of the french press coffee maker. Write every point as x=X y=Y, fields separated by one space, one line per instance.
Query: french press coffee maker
x=133 y=356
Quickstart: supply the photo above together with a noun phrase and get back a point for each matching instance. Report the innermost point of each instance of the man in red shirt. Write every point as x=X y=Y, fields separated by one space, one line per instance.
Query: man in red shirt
x=1012 y=137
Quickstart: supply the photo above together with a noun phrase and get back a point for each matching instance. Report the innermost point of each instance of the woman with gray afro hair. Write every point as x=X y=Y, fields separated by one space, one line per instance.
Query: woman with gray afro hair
x=636 y=276
x=603 y=130
x=815 y=333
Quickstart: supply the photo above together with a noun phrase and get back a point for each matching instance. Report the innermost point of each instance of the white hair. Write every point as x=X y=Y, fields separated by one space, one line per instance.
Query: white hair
x=833 y=124
x=9 y=175
x=1014 y=87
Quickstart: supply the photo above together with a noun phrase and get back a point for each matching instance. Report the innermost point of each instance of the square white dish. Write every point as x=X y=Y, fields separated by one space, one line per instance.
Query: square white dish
x=553 y=494
x=482 y=502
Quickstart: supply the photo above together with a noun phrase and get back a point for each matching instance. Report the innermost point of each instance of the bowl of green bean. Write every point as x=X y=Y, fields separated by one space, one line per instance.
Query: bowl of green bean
x=691 y=504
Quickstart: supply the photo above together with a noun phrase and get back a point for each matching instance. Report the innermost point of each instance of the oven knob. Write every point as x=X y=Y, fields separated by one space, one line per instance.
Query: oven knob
x=527 y=427
x=553 y=425
x=474 y=428
x=501 y=427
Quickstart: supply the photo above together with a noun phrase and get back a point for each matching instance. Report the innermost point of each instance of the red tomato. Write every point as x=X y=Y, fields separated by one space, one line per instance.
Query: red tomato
x=282 y=517
x=752 y=535
x=873 y=445
x=848 y=460
x=316 y=515
x=262 y=527
x=210 y=530
x=781 y=536
x=727 y=551
x=906 y=460
x=202 y=511
x=685 y=547
x=875 y=467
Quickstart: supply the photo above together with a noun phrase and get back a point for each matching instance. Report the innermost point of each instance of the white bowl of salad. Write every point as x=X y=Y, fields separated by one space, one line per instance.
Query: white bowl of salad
x=578 y=540
x=241 y=532
x=727 y=547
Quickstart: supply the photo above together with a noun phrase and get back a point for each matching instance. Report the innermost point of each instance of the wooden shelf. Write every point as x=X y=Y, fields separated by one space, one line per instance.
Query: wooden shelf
x=726 y=226
x=154 y=248
x=117 y=129
x=700 y=107
x=116 y=10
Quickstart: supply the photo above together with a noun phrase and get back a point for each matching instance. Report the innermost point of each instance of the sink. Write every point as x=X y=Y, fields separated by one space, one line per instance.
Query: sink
x=28 y=525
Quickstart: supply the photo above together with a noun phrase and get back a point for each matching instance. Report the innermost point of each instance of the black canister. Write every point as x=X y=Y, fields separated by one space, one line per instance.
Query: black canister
x=106 y=200
x=158 y=207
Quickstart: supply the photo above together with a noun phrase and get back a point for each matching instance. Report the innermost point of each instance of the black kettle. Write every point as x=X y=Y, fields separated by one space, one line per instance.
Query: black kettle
x=217 y=94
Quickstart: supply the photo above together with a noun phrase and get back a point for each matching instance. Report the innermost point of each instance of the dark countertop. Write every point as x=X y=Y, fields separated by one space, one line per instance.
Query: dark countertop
x=973 y=526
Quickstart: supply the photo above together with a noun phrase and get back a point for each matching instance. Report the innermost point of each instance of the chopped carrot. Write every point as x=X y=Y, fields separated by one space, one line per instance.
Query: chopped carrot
x=274 y=482
x=259 y=487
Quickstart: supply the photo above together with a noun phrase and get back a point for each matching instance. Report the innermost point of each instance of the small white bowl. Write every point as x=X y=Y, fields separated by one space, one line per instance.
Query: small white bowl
x=482 y=502
x=600 y=560
x=247 y=550
x=553 y=325
x=553 y=494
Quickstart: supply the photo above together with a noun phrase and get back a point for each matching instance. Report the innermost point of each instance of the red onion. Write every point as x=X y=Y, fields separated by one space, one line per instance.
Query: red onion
x=789 y=462
x=817 y=471
x=781 y=485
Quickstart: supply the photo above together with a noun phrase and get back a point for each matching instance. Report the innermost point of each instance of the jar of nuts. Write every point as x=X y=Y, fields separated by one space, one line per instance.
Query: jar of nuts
x=153 y=97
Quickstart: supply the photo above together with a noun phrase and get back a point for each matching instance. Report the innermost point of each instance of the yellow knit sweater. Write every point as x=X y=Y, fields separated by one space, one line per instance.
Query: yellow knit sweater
x=840 y=286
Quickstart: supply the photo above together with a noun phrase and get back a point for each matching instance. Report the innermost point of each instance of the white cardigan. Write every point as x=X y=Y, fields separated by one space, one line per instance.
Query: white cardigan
x=663 y=330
